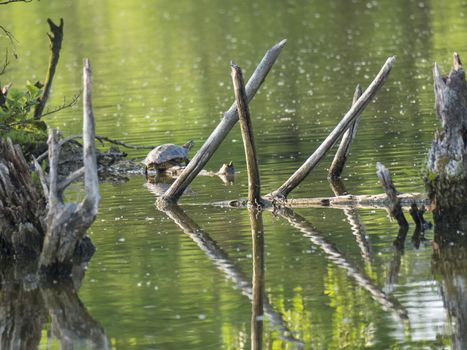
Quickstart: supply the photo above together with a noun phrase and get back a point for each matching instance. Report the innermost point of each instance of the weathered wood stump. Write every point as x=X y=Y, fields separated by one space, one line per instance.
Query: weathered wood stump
x=40 y=228
x=446 y=176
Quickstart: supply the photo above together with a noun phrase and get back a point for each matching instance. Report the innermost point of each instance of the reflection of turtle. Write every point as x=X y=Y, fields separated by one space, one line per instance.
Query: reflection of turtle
x=166 y=156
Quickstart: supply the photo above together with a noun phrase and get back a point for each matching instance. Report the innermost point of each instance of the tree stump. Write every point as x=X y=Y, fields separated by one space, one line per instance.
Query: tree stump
x=446 y=176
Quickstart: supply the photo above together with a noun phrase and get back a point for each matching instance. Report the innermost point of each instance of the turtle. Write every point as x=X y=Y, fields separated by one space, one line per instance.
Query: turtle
x=166 y=156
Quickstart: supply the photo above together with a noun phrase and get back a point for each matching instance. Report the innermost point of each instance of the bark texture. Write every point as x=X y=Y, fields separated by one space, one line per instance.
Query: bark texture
x=446 y=177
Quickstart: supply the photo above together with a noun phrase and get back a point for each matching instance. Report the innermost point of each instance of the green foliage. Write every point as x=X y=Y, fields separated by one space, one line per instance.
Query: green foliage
x=17 y=123
x=18 y=104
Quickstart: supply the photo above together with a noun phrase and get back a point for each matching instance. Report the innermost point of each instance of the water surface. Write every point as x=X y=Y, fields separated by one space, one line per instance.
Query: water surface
x=161 y=74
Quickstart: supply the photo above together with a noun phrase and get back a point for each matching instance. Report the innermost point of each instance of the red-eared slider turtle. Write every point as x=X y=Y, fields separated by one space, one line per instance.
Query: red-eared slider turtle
x=166 y=156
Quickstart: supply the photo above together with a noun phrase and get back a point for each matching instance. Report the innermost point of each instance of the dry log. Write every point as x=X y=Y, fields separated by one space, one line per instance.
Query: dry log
x=56 y=38
x=254 y=187
x=67 y=222
x=340 y=158
x=228 y=121
x=288 y=186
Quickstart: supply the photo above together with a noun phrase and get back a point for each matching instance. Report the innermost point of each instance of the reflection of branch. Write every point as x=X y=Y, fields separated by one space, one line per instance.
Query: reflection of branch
x=224 y=264
x=338 y=259
x=257 y=237
x=354 y=220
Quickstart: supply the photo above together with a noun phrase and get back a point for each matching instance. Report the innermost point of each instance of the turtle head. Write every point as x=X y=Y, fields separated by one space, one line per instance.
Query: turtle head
x=188 y=144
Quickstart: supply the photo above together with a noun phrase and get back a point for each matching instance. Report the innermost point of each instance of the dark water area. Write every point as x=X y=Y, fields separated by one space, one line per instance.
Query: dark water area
x=192 y=278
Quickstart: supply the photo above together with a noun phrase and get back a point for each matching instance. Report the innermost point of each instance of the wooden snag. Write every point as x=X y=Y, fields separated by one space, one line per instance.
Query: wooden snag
x=254 y=186
x=394 y=204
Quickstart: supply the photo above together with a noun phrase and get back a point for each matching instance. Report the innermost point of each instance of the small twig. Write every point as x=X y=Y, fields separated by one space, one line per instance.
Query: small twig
x=5 y=63
x=63 y=106
x=121 y=143
x=55 y=37
x=6 y=2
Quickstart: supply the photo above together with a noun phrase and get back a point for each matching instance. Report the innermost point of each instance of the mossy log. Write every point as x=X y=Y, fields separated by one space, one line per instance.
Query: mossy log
x=446 y=176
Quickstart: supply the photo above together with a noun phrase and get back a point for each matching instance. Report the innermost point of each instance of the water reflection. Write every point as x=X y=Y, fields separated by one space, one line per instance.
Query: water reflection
x=27 y=305
x=338 y=259
x=449 y=264
x=222 y=261
x=257 y=236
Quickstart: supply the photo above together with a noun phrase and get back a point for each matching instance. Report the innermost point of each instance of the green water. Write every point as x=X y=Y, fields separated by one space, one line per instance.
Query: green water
x=161 y=74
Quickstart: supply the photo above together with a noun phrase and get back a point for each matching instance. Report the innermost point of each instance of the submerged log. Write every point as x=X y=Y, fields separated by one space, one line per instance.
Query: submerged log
x=446 y=176
x=220 y=132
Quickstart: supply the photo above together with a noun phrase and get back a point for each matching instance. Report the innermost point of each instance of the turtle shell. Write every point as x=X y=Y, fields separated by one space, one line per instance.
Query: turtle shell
x=166 y=156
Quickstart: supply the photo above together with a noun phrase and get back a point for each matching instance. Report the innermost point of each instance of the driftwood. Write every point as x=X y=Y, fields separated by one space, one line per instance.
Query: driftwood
x=342 y=153
x=56 y=38
x=288 y=186
x=228 y=121
x=254 y=187
x=67 y=222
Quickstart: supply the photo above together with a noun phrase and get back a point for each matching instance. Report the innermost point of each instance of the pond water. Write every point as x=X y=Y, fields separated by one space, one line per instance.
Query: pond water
x=332 y=279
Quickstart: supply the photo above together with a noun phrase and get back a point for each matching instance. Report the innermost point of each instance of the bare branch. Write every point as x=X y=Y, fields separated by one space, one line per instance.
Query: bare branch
x=5 y=63
x=70 y=178
x=6 y=2
x=63 y=106
x=55 y=37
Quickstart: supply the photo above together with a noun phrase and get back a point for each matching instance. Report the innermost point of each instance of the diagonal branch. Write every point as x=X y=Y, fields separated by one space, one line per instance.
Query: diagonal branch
x=288 y=186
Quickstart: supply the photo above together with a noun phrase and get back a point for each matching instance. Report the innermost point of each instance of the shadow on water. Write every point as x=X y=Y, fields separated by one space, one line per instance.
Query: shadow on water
x=253 y=291
x=27 y=305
